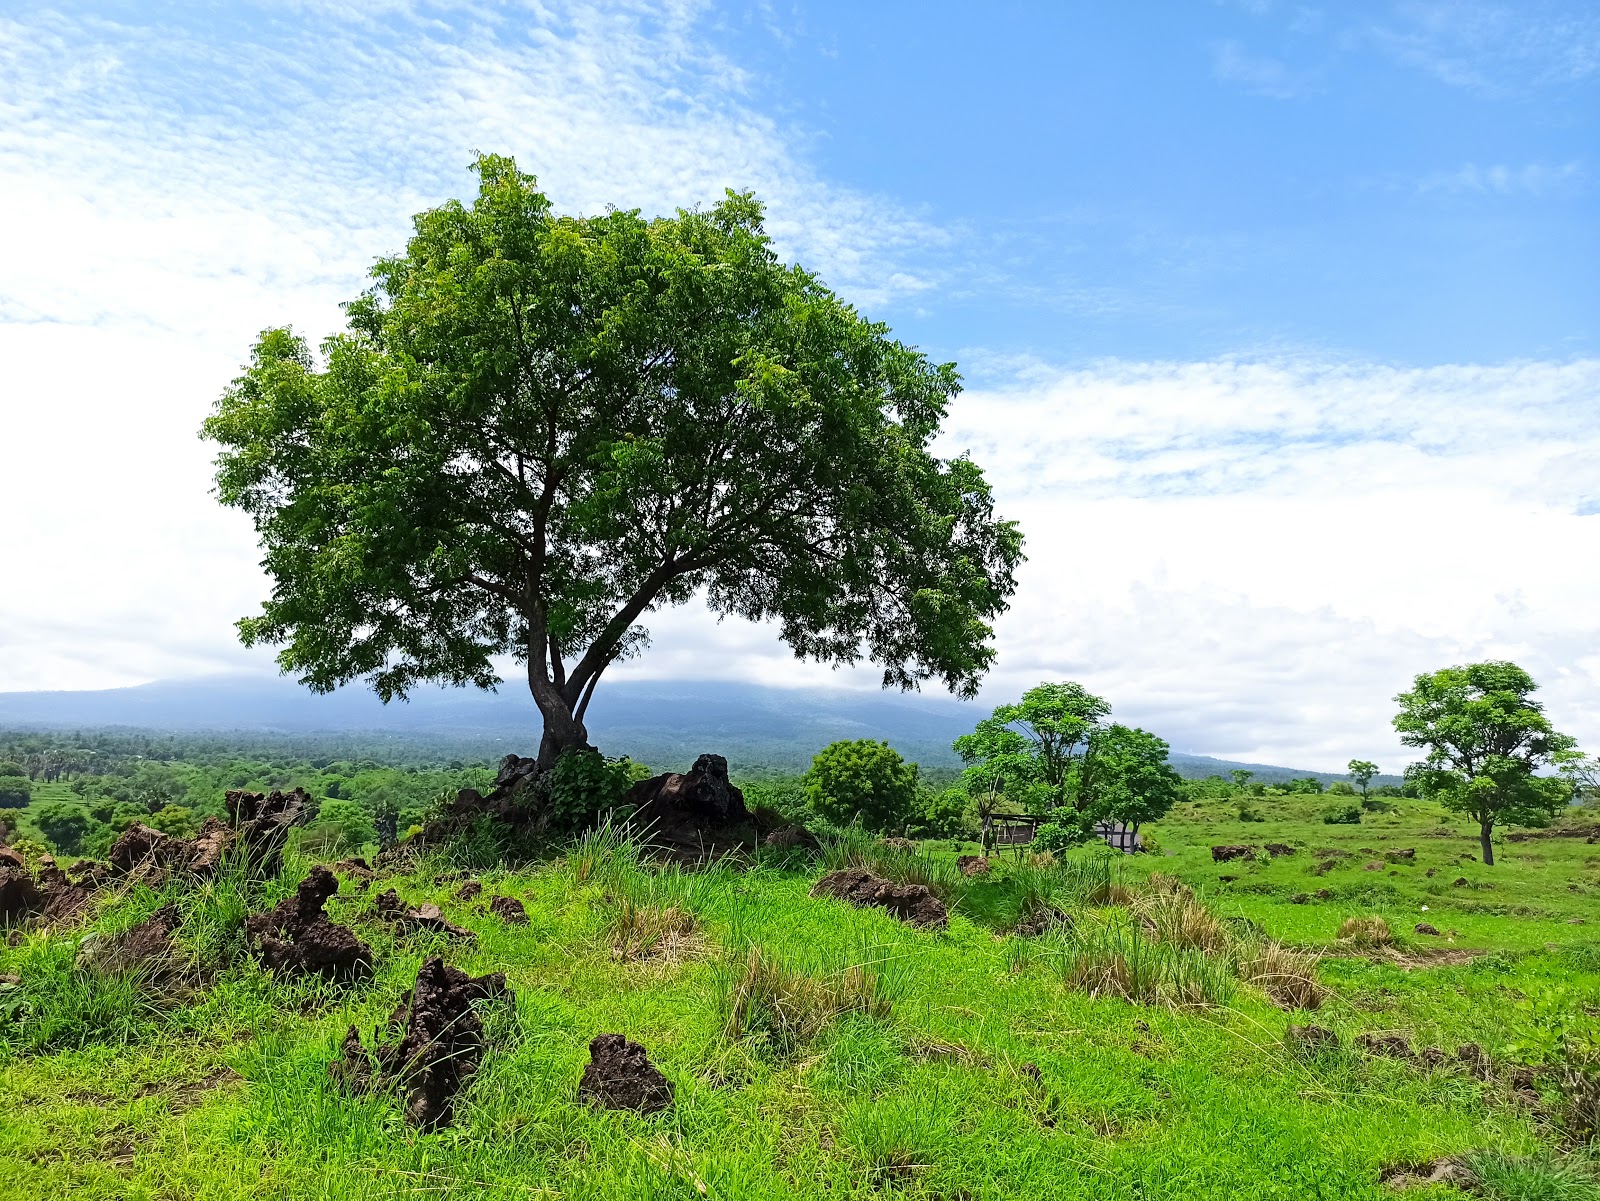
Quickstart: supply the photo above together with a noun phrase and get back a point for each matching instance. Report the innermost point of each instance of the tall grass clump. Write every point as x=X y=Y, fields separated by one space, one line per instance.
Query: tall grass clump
x=1120 y=959
x=786 y=1004
x=1541 y=1177
x=854 y=847
x=60 y=1006
x=603 y=854
x=1286 y=975
x=1371 y=931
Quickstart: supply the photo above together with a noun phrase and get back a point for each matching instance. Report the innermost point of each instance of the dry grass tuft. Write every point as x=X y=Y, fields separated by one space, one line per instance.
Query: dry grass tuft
x=1177 y=918
x=1287 y=976
x=665 y=934
x=790 y=1007
x=1370 y=931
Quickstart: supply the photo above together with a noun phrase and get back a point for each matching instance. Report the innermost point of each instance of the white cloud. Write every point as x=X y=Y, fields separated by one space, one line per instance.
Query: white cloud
x=1250 y=557
x=1500 y=179
x=1260 y=74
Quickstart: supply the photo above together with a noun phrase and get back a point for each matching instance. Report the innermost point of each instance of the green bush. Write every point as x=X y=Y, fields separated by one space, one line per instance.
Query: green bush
x=942 y=814
x=583 y=784
x=863 y=781
x=16 y=790
x=1341 y=788
x=1342 y=815
x=65 y=826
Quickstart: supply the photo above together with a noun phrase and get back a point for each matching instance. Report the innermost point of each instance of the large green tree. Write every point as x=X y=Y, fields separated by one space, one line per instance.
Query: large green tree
x=1486 y=740
x=1027 y=749
x=539 y=428
x=861 y=781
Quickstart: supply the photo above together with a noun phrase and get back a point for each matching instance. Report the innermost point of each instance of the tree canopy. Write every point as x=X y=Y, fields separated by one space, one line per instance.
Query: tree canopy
x=1486 y=740
x=539 y=428
x=1361 y=771
x=861 y=780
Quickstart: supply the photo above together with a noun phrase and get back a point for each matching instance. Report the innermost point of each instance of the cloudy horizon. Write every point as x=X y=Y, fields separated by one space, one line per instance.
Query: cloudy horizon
x=1288 y=412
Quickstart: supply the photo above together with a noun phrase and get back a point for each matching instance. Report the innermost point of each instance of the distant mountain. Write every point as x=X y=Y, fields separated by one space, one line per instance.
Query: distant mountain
x=660 y=722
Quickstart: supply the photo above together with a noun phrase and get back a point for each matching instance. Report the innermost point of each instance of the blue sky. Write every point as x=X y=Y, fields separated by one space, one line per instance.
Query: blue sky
x=1279 y=321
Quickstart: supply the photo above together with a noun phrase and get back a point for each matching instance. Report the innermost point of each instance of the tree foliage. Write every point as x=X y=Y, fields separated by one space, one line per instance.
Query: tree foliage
x=1486 y=741
x=16 y=790
x=539 y=428
x=863 y=781
x=63 y=825
x=1362 y=772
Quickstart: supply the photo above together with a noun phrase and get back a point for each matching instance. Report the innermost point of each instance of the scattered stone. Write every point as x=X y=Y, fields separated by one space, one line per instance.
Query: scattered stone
x=1300 y=898
x=1227 y=852
x=1425 y=928
x=1406 y=855
x=620 y=1075
x=974 y=865
x=145 y=948
x=913 y=903
x=1278 y=849
x=435 y=1044
x=469 y=891
x=1459 y=882
x=788 y=838
x=295 y=937
x=427 y=917
x=509 y=910
x=1323 y=894
x=1390 y=1046
x=1309 y=1039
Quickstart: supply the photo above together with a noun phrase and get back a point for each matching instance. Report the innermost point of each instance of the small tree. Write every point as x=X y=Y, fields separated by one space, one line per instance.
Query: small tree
x=1028 y=748
x=540 y=428
x=1362 y=772
x=1486 y=740
x=862 y=780
x=1241 y=777
x=16 y=790
x=347 y=822
x=1126 y=777
x=64 y=826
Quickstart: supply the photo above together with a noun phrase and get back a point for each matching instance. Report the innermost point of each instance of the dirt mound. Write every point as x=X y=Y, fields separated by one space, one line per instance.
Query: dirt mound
x=973 y=865
x=1308 y=1040
x=912 y=903
x=1425 y=928
x=620 y=1075
x=469 y=891
x=509 y=910
x=1278 y=849
x=434 y=1046
x=1389 y=1046
x=358 y=870
x=1227 y=852
x=145 y=948
x=296 y=937
x=49 y=895
x=411 y=918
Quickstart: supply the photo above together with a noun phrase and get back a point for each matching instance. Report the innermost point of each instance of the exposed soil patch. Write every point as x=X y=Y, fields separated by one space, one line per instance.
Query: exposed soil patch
x=913 y=903
x=619 y=1075
x=434 y=1043
x=296 y=938
x=1413 y=1175
x=509 y=910
x=411 y=918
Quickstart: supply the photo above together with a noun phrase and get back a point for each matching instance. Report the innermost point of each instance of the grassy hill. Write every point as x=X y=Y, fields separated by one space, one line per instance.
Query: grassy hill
x=1135 y=1050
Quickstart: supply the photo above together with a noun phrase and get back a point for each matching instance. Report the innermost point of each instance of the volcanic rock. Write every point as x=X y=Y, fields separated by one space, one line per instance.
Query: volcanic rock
x=145 y=948
x=139 y=847
x=1278 y=849
x=973 y=865
x=296 y=937
x=913 y=903
x=469 y=891
x=1425 y=928
x=791 y=837
x=434 y=1044
x=1227 y=852
x=1391 y=1046
x=620 y=1075
x=262 y=823
x=509 y=910
x=20 y=897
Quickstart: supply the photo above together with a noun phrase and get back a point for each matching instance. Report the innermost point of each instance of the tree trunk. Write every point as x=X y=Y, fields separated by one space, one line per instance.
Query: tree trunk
x=562 y=730
x=1484 y=830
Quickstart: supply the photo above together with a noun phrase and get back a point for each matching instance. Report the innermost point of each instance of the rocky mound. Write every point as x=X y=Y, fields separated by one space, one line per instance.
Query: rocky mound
x=296 y=937
x=913 y=903
x=696 y=814
x=620 y=1075
x=509 y=910
x=434 y=1046
x=1227 y=853
x=48 y=895
x=258 y=826
x=145 y=948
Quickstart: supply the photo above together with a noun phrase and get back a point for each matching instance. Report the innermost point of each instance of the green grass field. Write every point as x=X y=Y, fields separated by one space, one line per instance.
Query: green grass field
x=966 y=1064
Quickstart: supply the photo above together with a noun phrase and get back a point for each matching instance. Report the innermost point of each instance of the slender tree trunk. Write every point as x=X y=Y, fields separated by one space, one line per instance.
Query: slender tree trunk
x=1484 y=829
x=562 y=730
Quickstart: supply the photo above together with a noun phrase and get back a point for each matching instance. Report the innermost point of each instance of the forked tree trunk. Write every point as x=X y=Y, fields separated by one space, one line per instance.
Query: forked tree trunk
x=563 y=730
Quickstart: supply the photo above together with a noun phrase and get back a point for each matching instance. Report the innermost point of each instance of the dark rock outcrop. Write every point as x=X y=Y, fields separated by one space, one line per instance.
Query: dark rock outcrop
x=432 y=1045
x=145 y=948
x=619 y=1075
x=1278 y=849
x=297 y=938
x=509 y=910
x=1227 y=852
x=913 y=903
x=1425 y=928
x=20 y=895
x=695 y=814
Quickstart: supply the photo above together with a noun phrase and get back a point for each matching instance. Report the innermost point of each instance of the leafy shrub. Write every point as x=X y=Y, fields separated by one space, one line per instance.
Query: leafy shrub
x=1342 y=815
x=65 y=826
x=861 y=781
x=16 y=790
x=583 y=784
x=1341 y=788
x=942 y=814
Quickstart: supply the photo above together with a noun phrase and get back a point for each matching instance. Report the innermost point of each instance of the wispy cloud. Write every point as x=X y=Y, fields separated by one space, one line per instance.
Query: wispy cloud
x=1491 y=47
x=1499 y=179
x=1260 y=74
